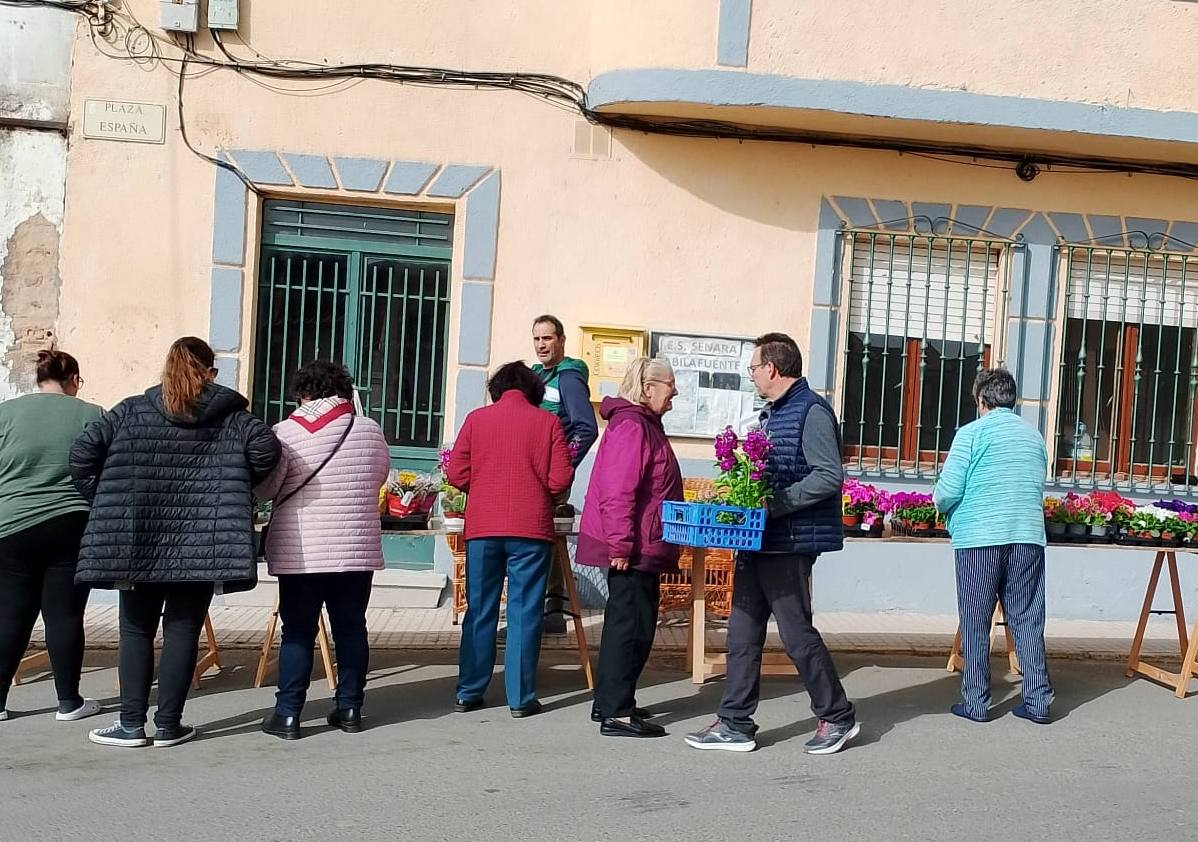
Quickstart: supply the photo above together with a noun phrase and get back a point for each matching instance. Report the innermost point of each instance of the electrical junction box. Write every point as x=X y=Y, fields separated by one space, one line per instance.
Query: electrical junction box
x=222 y=14
x=179 y=15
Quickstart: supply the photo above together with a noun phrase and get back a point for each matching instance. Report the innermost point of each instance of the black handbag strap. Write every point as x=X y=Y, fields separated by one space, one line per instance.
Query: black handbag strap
x=320 y=467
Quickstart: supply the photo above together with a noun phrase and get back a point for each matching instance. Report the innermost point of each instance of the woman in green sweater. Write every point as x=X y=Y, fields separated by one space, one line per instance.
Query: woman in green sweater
x=42 y=518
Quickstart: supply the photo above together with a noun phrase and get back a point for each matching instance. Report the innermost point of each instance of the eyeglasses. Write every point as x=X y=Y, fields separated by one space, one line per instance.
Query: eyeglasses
x=753 y=368
x=662 y=382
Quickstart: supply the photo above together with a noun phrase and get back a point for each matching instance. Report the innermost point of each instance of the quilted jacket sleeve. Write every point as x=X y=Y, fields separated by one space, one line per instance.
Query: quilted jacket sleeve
x=261 y=449
x=90 y=451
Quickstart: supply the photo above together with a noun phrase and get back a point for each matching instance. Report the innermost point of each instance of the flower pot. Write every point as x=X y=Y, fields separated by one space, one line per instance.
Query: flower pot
x=850 y=520
x=454 y=522
x=396 y=507
x=1099 y=533
x=921 y=528
x=1054 y=529
x=563 y=525
x=1075 y=531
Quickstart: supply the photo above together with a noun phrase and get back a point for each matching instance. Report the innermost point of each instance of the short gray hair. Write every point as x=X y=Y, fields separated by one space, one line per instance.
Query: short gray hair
x=995 y=387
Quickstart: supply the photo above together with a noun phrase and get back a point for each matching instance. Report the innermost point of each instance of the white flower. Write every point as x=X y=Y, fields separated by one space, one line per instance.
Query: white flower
x=1154 y=512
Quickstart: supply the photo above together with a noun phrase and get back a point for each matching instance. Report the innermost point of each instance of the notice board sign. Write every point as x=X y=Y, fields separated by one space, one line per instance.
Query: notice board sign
x=714 y=389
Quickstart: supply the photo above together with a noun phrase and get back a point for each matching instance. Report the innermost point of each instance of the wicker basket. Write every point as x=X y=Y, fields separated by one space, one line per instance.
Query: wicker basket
x=676 y=587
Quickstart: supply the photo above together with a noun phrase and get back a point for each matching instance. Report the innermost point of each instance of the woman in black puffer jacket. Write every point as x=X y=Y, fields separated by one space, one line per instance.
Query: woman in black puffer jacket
x=169 y=474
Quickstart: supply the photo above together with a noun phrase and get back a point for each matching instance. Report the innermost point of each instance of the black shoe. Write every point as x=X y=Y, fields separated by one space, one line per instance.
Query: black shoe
x=531 y=709
x=639 y=713
x=555 y=623
x=1022 y=712
x=463 y=706
x=348 y=720
x=283 y=727
x=959 y=710
x=634 y=727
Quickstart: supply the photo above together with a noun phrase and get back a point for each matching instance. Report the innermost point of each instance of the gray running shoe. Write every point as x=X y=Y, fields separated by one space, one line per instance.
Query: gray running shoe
x=719 y=736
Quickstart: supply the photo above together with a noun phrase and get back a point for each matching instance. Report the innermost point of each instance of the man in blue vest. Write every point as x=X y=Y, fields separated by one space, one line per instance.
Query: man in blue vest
x=804 y=469
x=568 y=396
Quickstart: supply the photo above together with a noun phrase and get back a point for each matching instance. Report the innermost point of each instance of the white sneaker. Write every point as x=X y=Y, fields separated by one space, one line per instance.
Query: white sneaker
x=90 y=707
x=3 y=715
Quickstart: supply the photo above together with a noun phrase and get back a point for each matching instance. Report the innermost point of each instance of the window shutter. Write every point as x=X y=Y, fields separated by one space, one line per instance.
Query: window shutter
x=1132 y=287
x=932 y=288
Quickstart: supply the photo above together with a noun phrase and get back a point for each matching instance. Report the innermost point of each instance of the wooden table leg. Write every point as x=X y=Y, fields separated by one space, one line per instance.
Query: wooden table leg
x=955 y=661
x=36 y=659
x=267 y=644
x=1179 y=612
x=322 y=639
x=1179 y=682
x=1189 y=665
x=211 y=658
x=698 y=629
x=561 y=557
x=1133 y=659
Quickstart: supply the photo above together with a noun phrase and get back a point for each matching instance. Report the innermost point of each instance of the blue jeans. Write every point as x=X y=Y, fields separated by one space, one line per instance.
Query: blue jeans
x=301 y=596
x=1013 y=573
x=525 y=562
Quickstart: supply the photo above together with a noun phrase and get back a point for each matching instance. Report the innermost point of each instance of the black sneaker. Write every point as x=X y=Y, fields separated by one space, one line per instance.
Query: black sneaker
x=830 y=738
x=720 y=737
x=120 y=736
x=173 y=736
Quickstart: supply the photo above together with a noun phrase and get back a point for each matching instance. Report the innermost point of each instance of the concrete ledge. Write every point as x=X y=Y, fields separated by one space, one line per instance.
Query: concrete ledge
x=392 y=589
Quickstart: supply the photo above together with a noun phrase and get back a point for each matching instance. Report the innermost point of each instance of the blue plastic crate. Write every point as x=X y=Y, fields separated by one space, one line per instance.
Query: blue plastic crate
x=695 y=525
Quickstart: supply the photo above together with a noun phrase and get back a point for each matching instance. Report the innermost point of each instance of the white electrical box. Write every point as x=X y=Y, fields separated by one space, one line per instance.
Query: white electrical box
x=179 y=15
x=222 y=14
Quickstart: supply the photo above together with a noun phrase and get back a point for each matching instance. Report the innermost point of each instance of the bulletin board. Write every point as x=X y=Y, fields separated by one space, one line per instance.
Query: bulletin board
x=714 y=389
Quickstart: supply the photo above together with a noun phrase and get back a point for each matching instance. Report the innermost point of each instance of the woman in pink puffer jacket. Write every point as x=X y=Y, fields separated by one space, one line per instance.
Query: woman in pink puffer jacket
x=324 y=542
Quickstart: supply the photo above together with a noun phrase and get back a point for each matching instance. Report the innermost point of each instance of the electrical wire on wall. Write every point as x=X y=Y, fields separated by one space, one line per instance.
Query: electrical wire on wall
x=118 y=34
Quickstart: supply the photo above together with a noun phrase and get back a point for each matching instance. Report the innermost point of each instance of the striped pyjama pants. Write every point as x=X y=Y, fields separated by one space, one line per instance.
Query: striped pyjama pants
x=1014 y=574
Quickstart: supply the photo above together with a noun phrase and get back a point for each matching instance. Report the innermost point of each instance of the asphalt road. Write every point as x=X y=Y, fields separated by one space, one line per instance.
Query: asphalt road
x=1119 y=764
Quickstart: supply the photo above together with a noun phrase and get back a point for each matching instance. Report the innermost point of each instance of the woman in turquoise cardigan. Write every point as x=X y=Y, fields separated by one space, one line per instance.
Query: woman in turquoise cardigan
x=992 y=490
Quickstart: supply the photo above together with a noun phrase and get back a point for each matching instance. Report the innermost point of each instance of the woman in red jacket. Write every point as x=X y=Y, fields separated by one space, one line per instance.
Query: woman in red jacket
x=511 y=460
x=635 y=470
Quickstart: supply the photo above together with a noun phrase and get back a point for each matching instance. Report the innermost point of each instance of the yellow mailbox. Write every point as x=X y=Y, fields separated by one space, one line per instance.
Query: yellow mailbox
x=607 y=352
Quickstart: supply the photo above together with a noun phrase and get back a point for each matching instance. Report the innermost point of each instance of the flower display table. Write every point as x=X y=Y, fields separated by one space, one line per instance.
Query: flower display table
x=704 y=666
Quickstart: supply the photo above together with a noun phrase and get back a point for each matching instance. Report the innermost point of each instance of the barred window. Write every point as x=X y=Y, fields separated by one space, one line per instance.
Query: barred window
x=921 y=317
x=1129 y=367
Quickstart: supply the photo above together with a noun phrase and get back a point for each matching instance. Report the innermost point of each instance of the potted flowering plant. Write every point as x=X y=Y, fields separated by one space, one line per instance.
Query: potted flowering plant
x=913 y=511
x=856 y=498
x=1054 y=525
x=1146 y=523
x=865 y=506
x=1074 y=511
x=412 y=493
x=741 y=481
x=453 y=500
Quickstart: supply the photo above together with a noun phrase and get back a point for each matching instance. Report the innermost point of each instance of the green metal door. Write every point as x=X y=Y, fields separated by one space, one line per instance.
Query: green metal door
x=367 y=287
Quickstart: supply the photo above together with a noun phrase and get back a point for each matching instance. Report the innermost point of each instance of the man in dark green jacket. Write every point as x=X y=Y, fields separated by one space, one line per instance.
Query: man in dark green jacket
x=568 y=396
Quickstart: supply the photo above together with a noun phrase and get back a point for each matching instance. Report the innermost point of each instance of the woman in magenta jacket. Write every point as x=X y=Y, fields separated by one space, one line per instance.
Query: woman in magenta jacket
x=635 y=470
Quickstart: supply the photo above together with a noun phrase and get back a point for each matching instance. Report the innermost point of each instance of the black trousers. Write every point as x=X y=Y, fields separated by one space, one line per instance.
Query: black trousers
x=37 y=574
x=629 y=625
x=777 y=584
x=181 y=607
x=301 y=596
